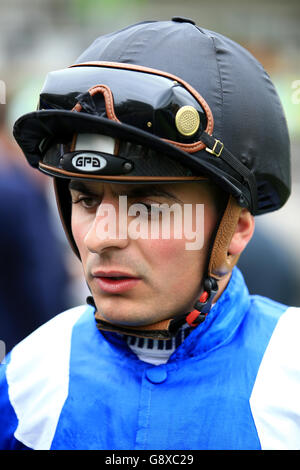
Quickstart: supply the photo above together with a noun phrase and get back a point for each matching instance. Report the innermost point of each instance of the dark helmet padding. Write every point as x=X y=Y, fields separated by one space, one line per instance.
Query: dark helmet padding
x=64 y=204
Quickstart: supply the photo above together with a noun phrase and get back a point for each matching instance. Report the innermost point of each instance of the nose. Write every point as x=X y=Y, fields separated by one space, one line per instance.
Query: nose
x=109 y=228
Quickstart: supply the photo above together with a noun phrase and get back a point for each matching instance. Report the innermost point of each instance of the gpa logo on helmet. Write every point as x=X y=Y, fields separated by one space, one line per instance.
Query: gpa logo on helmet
x=88 y=162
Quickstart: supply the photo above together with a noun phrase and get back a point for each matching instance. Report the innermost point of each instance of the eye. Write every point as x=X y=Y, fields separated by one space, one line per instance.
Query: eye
x=87 y=202
x=146 y=206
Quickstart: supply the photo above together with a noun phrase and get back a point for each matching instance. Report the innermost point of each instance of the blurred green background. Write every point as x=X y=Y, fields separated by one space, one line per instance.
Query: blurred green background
x=38 y=35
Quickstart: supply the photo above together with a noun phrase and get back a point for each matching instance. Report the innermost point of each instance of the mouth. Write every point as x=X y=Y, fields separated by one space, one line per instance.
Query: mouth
x=115 y=282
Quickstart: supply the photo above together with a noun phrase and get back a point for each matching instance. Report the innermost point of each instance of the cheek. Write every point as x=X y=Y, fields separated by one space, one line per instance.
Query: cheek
x=160 y=249
x=176 y=274
x=80 y=227
x=170 y=260
x=176 y=260
x=192 y=242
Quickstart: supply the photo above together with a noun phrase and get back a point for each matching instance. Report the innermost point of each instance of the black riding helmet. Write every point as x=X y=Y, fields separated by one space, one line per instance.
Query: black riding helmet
x=165 y=101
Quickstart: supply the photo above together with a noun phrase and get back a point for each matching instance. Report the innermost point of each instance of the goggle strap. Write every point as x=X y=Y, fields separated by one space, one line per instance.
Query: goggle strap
x=86 y=101
x=218 y=150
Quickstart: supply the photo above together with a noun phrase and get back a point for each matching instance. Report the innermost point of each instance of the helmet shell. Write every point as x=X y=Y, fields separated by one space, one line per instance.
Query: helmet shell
x=247 y=113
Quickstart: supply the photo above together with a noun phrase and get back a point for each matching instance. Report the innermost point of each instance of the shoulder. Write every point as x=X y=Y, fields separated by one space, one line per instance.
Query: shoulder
x=59 y=327
x=35 y=378
x=274 y=326
x=49 y=342
x=283 y=347
x=262 y=318
x=267 y=307
x=275 y=396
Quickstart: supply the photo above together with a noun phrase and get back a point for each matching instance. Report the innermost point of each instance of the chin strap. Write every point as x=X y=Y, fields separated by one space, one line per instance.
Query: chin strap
x=165 y=329
x=203 y=305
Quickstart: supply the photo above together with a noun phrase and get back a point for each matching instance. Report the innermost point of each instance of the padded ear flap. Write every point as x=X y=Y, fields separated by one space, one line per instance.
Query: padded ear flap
x=64 y=204
x=221 y=263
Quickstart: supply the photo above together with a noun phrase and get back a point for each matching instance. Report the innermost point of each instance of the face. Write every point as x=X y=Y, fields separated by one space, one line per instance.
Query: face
x=137 y=243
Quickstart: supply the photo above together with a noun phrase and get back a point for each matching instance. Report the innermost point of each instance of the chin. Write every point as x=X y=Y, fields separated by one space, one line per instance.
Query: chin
x=122 y=311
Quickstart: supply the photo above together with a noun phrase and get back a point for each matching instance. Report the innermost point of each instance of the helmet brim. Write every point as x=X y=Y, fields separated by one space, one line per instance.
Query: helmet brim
x=33 y=128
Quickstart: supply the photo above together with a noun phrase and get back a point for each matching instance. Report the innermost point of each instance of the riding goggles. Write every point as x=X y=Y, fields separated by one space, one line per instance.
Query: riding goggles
x=153 y=101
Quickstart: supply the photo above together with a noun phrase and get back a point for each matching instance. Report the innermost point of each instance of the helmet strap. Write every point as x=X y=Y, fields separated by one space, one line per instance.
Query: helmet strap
x=220 y=262
x=203 y=305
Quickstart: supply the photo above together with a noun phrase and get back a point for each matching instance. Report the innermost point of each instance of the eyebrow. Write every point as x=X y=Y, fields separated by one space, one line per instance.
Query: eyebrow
x=80 y=187
x=146 y=190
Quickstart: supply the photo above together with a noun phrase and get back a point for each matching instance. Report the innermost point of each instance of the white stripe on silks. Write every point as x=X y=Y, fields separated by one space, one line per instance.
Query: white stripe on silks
x=275 y=398
x=38 y=379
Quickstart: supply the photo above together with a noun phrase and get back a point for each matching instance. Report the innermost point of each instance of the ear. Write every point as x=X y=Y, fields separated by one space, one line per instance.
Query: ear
x=243 y=233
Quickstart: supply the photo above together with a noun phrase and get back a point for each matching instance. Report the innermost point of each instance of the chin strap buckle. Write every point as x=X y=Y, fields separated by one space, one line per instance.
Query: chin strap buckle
x=203 y=305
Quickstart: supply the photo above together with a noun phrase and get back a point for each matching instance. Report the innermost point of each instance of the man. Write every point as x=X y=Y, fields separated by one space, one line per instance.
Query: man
x=150 y=126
